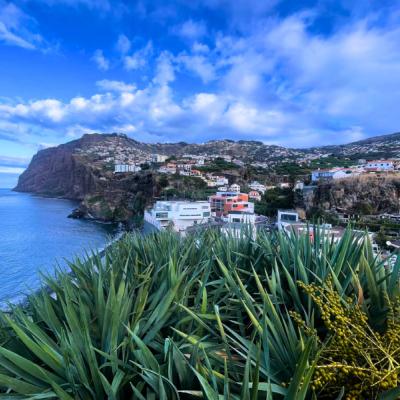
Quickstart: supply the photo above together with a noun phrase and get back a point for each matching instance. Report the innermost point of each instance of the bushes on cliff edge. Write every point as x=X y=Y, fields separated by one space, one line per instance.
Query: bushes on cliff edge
x=207 y=317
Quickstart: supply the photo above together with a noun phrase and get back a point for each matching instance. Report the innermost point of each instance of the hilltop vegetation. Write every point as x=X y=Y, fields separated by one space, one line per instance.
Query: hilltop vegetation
x=210 y=317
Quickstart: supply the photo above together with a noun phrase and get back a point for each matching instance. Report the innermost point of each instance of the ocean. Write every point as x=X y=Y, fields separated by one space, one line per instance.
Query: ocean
x=35 y=236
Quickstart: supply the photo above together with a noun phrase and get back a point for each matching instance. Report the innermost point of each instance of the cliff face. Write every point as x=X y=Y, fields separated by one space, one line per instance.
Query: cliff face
x=121 y=200
x=70 y=171
x=59 y=172
x=362 y=195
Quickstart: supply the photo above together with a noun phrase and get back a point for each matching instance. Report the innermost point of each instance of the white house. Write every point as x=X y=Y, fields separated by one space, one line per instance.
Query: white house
x=158 y=158
x=333 y=174
x=200 y=162
x=167 y=170
x=178 y=215
x=218 y=180
x=235 y=188
x=380 y=165
x=257 y=186
x=287 y=217
x=119 y=168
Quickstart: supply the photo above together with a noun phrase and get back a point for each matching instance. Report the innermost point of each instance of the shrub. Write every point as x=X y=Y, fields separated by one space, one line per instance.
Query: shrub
x=208 y=316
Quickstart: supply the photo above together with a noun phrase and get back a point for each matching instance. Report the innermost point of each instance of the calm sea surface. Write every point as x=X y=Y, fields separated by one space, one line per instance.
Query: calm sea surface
x=35 y=235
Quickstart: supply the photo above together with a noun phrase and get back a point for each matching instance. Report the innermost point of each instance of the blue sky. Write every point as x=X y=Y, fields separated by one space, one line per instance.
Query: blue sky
x=292 y=73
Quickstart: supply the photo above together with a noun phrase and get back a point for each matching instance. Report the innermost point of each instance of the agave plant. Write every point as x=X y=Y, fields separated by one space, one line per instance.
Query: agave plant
x=207 y=316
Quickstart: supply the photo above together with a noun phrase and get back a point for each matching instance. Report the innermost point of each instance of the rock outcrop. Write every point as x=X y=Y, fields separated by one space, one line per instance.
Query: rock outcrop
x=362 y=195
x=67 y=171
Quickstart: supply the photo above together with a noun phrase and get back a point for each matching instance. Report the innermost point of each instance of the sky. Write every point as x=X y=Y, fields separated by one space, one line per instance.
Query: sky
x=294 y=73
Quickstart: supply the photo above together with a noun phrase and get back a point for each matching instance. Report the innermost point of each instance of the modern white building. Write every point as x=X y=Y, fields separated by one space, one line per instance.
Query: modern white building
x=239 y=224
x=257 y=186
x=178 y=215
x=120 y=168
x=287 y=217
x=333 y=174
x=380 y=165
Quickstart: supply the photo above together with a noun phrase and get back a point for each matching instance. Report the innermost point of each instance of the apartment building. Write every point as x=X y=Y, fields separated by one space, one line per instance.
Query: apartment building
x=224 y=202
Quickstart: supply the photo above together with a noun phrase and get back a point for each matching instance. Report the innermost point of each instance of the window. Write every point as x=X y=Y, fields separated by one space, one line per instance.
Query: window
x=206 y=214
x=288 y=217
x=162 y=215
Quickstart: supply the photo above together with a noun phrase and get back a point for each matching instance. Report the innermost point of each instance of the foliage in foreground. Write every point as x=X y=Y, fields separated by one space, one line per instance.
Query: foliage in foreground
x=209 y=317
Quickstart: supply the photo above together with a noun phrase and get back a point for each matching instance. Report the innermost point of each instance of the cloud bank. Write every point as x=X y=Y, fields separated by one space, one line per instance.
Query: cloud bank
x=277 y=79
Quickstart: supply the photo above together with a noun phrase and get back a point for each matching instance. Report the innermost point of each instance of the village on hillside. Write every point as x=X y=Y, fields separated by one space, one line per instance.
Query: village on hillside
x=232 y=205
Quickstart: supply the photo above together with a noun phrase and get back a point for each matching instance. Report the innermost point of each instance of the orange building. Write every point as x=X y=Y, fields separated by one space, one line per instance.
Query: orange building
x=223 y=203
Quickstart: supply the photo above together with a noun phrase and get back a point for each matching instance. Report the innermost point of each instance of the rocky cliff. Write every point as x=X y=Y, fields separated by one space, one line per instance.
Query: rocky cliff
x=71 y=171
x=362 y=195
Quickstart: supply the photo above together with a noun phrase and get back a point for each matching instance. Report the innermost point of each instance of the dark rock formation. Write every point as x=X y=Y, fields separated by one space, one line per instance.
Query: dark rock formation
x=363 y=195
x=66 y=172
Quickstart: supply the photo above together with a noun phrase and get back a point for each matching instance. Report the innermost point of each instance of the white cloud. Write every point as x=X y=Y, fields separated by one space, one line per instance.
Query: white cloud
x=198 y=47
x=11 y=170
x=139 y=58
x=123 y=44
x=199 y=65
x=103 y=5
x=279 y=83
x=165 y=72
x=191 y=29
x=19 y=29
x=114 y=86
x=102 y=62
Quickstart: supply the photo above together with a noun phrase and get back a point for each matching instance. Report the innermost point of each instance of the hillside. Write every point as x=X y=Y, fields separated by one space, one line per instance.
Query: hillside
x=384 y=146
x=83 y=169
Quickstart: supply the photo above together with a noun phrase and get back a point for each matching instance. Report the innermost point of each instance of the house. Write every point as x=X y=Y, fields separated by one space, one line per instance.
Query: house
x=379 y=165
x=218 y=180
x=196 y=172
x=333 y=174
x=238 y=224
x=234 y=188
x=170 y=168
x=120 y=168
x=210 y=183
x=286 y=217
x=158 y=158
x=258 y=187
x=200 y=162
x=178 y=215
x=255 y=195
x=321 y=174
x=224 y=202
